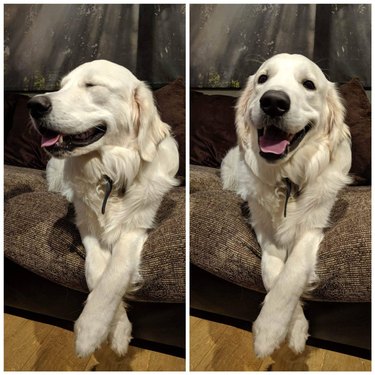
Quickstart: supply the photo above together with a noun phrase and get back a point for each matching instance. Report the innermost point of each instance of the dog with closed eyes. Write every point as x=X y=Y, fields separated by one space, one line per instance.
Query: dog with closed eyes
x=292 y=159
x=115 y=159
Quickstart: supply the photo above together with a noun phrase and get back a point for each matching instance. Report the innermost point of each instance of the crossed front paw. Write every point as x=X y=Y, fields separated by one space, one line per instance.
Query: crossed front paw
x=268 y=335
x=270 y=331
x=120 y=336
x=298 y=334
x=89 y=335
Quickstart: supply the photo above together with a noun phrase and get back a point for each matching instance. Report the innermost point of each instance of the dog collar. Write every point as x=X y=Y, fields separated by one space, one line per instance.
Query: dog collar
x=108 y=188
x=291 y=190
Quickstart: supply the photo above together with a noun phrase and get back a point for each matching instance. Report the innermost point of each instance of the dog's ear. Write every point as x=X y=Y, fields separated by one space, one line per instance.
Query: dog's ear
x=151 y=130
x=242 y=115
x=335 y=121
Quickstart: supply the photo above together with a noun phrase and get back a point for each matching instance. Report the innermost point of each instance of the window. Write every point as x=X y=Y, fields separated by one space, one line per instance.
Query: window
x=229 y=42
x=45 y=42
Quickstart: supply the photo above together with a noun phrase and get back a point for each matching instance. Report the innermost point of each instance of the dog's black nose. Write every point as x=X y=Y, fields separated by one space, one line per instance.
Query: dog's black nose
x=275 y=103
x=39 y=106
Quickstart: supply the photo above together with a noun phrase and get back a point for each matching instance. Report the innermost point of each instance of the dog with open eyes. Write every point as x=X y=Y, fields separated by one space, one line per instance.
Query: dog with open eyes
x=292 y=159
x=115 y=159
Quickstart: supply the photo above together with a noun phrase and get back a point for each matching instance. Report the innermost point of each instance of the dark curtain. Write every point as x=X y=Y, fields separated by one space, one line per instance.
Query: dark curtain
x=229 y=42
x=42 y=43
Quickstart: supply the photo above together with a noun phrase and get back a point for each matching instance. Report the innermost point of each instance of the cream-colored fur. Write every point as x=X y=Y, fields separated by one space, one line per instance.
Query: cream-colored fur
x=318 y=166
x=139 y=155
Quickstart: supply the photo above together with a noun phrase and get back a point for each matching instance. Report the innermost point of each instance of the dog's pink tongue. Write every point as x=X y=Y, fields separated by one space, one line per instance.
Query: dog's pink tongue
x=49 y=141
x=273 y=145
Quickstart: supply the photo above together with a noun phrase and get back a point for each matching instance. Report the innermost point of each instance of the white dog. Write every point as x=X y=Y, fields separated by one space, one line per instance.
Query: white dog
x=115 y=159
x=293 y=157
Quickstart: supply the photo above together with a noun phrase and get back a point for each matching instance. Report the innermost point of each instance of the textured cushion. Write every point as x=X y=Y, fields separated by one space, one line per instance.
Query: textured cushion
x=22 y=142
x=221 y=242
x=212 y=130
x=39 y=234
x=358 y=117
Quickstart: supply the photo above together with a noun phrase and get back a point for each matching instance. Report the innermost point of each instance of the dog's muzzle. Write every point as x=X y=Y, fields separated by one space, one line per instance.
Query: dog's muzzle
x=275 y=103
x=55 y=142
x=275 y=143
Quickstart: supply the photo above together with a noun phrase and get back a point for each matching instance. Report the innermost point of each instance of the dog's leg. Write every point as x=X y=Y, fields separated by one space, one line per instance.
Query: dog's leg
x=273 y=259
x=96 y=260
x=97 y=256
x=273 y=262
x=272 y=324
x=298 y=330
x=95 y=264
x=103 y=302
x=120 y=331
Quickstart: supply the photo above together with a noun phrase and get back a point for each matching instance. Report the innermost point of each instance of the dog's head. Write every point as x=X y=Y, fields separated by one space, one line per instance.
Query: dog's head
x=100 y=103
x=285 y=102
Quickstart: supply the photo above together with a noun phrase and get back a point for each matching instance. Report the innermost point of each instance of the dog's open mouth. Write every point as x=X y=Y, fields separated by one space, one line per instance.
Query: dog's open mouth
x=53 y=141
x=275 y=144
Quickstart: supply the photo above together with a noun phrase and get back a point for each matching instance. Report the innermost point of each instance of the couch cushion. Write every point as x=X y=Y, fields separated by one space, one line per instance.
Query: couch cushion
x=212 y=129
x=221 y=241
x=170 y=101
x=358 y=117
x=40 y=236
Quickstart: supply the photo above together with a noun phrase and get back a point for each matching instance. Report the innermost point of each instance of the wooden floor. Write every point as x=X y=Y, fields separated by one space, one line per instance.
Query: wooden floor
x=35 y=346
x=219 y=347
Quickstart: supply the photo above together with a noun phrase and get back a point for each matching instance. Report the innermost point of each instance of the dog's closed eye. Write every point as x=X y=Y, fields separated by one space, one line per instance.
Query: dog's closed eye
x=95 y=83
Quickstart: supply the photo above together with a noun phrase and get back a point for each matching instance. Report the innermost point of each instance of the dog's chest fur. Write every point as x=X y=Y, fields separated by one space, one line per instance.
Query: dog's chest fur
x=272 y=194
x=274 y=201
x=87 y=180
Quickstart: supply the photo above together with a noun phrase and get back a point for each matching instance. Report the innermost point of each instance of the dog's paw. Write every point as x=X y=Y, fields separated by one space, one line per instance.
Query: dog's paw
x=268 y=335
x=298 y=333
x=89 y=336
x=120 y=336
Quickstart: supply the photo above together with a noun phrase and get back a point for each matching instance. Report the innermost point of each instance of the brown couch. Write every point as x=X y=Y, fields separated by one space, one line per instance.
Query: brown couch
x=225 y=257
x=44 y=257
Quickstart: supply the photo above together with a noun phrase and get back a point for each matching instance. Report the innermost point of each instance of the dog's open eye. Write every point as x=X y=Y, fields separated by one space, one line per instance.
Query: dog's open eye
x=262 y=78
x=309 y=85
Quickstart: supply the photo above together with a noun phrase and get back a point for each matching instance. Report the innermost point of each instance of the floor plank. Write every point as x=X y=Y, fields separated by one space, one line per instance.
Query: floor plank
x=336 y=361
x=35 y=346
x=136 y=360
x=56 y=352
x=219 y=347
x=23 y=341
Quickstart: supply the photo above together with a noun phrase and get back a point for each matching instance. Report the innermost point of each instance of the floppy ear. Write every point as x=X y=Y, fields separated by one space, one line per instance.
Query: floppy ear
x=151 y=130
x=242 y=118
x=335 y=121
